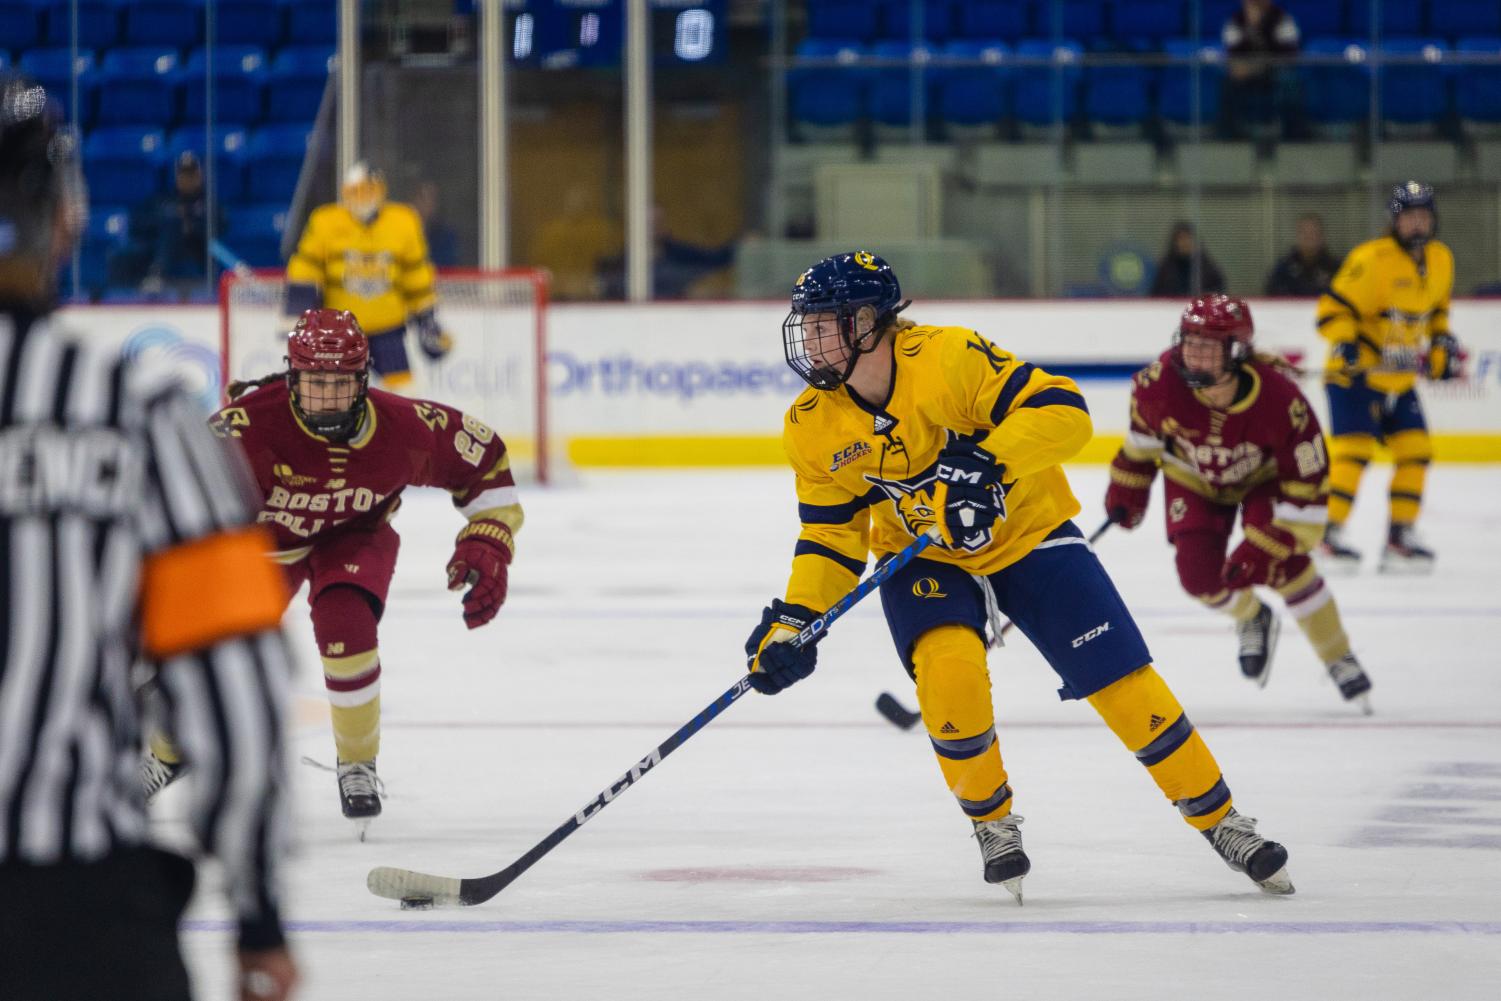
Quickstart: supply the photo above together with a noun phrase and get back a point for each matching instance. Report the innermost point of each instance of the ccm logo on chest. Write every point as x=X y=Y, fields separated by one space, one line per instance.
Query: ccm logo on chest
x=1079 y=641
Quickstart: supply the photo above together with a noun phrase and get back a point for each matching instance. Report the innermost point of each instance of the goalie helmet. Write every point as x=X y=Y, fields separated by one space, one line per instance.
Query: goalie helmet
x=1412 y=195
x=43 y=203
x=363 y=192
x=329 y=340
x=840 y=286
x=1217 y=317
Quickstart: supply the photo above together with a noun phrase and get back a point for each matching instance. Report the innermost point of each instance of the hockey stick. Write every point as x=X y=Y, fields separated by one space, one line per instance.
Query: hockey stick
x=898 y=715
x=420 y=890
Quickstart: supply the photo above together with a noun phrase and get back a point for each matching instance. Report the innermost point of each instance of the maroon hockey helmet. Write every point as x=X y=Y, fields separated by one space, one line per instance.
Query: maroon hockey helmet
x=329 y=340
x=1217 y=317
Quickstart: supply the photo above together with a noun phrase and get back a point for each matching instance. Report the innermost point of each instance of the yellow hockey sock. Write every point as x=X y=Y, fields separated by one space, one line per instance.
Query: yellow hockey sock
x=1312 y=605
x=1349 y=454
x=1412 y=451
x=353 y=684
x=953 y=690
x=1143 y=712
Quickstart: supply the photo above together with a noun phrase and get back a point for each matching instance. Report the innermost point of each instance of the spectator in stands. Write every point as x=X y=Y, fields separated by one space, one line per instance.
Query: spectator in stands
x=179 y=264
x=1185 y=269
x=1260 y=39
x=1307 y=268
x=442 y=239
x=676 y=265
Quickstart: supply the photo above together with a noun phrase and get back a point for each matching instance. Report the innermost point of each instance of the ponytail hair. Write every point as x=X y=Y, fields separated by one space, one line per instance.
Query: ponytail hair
x=240 y=387
x=1279 y=363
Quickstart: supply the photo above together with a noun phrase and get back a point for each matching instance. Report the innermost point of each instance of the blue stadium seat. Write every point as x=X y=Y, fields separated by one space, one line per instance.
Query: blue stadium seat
x=1044 y=94
x=1477 y=88
x=136 y=87
x=178 y=23
x=4 y=60
x=98 y=23
x=1118 y=95
x=891 y=86
x=979 y=94
x=240 y=75
x=273 y=160
x=1464 y=17
x=1337 y=93
x=842 y=20
x=20 y=25
x=312 y=22
x=230 y=149
x=1323 y=17
x=55 y=69
x=1175 y=86
x=1149 y=20
x=1414 y=93
x=295 y=85
x=249 y=22
x=124 y=164
x=254 y=232
x=1070 y=19
x=938 y=22
x=982 y=19
x=827 y=95
x=1396 y=18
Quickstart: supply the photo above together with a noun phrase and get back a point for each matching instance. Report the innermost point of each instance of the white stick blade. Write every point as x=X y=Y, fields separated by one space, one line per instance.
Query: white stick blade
x=398 y=884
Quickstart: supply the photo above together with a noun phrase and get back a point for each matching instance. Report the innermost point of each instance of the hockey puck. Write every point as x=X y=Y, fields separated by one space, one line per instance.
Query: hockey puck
x=416 y=903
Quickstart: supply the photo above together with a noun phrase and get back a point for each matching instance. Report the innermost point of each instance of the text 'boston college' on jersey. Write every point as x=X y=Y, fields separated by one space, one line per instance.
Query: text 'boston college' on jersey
x=865 y=470
x=312 y=486
x=1269 y=433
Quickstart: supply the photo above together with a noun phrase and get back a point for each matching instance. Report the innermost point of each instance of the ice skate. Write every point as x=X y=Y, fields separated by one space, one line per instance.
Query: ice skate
x=1258 y=642
x=359 y=793
x=1335 y=556
x=1001 y=850
x=1236 y=841
x=1405 y=553
x=1352 y=681
x=157 y=774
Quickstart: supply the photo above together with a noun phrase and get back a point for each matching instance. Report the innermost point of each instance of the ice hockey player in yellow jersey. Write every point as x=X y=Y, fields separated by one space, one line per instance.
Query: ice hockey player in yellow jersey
x=908 y=428
x=369 y=256
x=1386 y=317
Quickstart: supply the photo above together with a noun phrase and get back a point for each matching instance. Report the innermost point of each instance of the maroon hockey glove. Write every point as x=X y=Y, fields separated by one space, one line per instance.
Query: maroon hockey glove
x=480 y=558
x=1130 y=490
x=1259 y=557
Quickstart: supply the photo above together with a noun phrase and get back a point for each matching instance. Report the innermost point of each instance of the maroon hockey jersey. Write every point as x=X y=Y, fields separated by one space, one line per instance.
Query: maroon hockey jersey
x=313 y=486
x=1269 y=434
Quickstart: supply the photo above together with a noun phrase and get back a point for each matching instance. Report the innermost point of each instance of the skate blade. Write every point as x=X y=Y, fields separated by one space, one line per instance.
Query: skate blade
x=361 y=826
x=1014 y=887
x=1406 y=568
x=1363 y=700
x=1278 y=883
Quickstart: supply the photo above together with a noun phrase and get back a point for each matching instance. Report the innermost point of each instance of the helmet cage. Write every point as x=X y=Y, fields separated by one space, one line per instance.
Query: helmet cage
x=336 y=425
x=1236 y=353
x=329 y=341
x=822 y=374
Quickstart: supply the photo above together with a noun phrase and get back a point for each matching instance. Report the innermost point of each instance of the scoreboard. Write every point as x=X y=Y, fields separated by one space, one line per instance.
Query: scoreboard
x=562 y=34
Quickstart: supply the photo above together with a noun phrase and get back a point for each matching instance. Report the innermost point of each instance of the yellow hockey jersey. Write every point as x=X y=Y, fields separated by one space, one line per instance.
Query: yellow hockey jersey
x=1386 y=303
x=379 y=272
x=865 y=473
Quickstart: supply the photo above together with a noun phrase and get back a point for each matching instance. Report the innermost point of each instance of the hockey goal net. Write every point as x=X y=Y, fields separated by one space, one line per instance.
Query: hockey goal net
x=496 y=371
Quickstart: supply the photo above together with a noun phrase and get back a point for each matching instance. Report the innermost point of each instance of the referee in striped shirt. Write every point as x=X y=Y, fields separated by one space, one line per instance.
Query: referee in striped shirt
x=123 y=539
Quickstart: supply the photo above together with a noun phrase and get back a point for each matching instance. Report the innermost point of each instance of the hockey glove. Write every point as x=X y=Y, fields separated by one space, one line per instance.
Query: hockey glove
x=1347 y=354
x=1259 y=557
x=968 y=497
x=1444 y=357
x=772 y=661
x=430 y=337
x=480 y=558
x=1130 y=490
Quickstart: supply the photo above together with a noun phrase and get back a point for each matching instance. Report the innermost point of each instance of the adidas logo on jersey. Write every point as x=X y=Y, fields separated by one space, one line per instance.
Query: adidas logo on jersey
x=1155 y=722
x=948 y=728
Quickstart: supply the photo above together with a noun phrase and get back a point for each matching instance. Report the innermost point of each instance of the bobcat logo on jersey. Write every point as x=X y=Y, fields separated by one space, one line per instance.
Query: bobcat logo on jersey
x=367 y=276
x=913 y=499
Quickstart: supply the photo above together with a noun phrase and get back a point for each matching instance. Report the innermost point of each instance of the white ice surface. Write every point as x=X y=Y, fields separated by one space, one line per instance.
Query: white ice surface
x=800 y=847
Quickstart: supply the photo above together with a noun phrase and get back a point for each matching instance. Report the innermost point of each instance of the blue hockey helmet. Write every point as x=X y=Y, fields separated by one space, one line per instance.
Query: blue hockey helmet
x=1412 y=195
x=834 y=291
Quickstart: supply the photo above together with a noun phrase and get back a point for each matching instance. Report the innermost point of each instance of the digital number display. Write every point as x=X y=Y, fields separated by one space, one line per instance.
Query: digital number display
x=561 y=34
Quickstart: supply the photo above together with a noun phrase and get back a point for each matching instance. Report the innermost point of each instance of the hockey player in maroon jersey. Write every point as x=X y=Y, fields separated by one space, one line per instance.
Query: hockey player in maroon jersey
x=331 y=457
x=1232 y=432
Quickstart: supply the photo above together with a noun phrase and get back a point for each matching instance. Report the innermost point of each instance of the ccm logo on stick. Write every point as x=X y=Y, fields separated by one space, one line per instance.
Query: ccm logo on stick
x=1097 y=630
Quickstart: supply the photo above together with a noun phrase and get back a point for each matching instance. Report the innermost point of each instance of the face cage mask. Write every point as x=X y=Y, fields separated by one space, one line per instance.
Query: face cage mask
x=1195 y=379
x=794 y=347
x=338 y=425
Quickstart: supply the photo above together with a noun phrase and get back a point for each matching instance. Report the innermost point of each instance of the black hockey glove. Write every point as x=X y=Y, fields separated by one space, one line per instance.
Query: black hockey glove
x=430 y=337
x=1444 y=357
x=968 y=497
x=773 y=662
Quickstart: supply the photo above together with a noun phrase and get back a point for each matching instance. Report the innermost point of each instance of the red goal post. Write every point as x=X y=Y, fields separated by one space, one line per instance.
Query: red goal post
x=496 y=370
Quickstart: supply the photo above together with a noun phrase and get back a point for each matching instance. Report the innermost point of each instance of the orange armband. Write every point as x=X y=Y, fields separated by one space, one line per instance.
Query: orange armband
x=210 y=589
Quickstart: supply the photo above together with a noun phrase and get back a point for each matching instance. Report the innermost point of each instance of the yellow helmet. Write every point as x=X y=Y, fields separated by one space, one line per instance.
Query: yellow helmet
x=363 y=192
